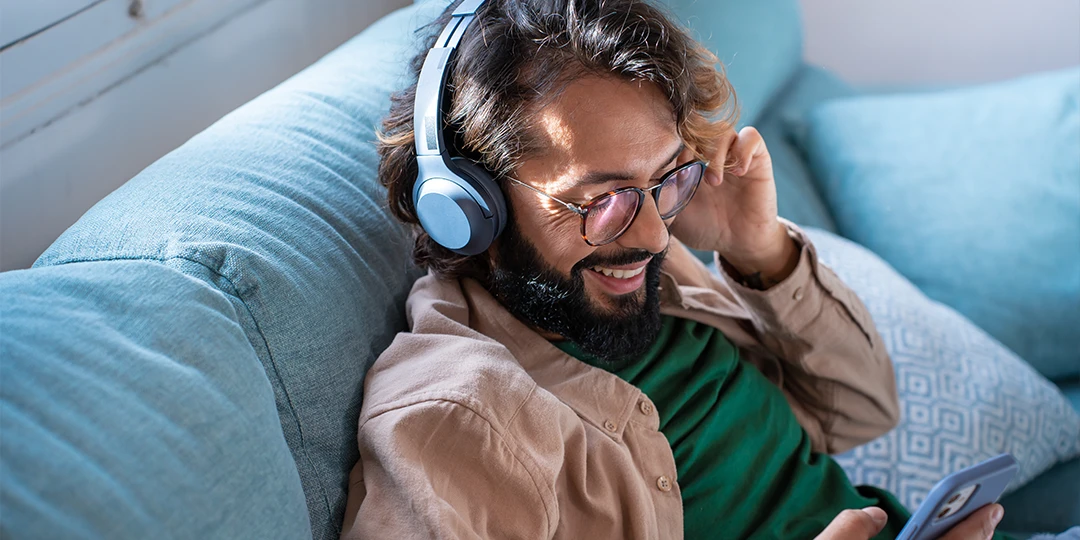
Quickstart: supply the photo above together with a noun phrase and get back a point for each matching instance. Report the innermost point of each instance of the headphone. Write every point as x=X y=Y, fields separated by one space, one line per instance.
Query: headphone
x=457 y=201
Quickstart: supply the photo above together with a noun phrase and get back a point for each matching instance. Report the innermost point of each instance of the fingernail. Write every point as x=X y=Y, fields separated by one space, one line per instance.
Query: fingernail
x=876 y=514
x=996 y=515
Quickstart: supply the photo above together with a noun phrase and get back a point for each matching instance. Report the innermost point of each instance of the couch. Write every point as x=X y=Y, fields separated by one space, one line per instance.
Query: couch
x=187 y=360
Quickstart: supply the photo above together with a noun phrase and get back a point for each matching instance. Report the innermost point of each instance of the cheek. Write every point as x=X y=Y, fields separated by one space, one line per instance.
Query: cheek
x=556 y=233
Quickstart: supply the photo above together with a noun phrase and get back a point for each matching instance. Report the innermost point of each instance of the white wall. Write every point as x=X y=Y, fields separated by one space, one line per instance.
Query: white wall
x=940 y=42
x=56 y=161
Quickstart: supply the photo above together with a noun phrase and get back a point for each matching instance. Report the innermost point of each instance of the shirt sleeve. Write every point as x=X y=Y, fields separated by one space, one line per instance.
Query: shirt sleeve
x=834 y=368
x=436 y=469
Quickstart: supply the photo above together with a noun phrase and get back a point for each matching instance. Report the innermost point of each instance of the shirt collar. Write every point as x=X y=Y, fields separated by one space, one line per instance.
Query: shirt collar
x=596 y=395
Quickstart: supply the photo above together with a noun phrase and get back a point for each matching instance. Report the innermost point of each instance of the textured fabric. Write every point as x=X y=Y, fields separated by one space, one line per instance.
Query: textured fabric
x=758 y=43
x=965 y=398
x=797 y=195
x=718 y=413
x=133 y=406
x=475 y=425
x=973 y=195
x=280 y=200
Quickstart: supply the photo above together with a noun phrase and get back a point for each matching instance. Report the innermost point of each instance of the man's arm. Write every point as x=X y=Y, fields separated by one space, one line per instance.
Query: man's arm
x=436 y=469
x=837 y=373
x=812 y=336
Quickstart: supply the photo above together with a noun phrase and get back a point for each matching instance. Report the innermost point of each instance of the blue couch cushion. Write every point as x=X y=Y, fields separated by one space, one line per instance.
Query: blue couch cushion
x=280 y=199
x=963 y=396
x=134 y=406
x=974 y=195
x=797 y=195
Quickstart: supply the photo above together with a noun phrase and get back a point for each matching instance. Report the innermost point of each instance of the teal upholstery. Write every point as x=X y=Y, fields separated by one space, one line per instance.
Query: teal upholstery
x=974 y=195
x=1071 y=389
x=278 y=204
x=133 y=404
x=1048 y=504
x=797 y=195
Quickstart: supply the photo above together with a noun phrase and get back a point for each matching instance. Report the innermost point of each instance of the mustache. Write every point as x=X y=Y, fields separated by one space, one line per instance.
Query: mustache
x=630 y=256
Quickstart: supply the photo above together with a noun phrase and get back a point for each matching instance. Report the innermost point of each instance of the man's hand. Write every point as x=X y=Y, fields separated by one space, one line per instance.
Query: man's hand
x=855 y=525
x=864 y=524
x=734 y=212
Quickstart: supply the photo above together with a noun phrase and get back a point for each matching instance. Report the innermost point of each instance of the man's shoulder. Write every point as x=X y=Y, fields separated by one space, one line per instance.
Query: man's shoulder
x=443 y=359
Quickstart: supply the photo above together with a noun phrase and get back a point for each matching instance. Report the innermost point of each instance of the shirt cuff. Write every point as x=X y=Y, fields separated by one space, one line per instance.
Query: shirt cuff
x=794 y=302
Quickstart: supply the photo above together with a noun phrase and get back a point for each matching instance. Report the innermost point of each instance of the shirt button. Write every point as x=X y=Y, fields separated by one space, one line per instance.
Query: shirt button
x=664 y=483
x=646 y=407
x=610 y=426
x=798 y=294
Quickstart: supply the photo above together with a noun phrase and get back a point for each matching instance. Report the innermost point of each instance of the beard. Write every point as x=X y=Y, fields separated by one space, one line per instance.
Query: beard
x=539 y=295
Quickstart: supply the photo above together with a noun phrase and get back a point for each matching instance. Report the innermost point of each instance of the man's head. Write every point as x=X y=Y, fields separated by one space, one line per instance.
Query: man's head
x=574 y=98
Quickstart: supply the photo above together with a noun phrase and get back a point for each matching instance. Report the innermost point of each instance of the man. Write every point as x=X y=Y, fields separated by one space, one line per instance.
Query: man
x=585 y=376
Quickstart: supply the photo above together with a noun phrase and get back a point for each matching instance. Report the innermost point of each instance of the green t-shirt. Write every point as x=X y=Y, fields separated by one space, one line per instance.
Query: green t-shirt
x=744 y=463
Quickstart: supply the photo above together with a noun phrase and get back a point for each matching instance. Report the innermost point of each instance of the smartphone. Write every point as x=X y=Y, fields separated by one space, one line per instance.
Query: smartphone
x=957 y=496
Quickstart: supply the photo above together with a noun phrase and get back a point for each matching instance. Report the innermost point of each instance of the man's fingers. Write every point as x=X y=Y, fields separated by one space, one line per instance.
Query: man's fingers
x=855 y=525
x=978 y=526
x=744 y=149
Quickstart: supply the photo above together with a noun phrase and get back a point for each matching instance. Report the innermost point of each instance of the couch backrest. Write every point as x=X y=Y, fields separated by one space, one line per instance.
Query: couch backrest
x=133 y=405
x=278 y=201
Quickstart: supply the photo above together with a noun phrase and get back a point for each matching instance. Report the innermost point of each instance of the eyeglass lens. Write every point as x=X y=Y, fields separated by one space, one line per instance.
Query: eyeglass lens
x=610 y=216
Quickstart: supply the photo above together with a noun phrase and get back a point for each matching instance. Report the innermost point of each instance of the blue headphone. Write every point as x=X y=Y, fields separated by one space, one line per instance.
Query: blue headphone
x=457 y=201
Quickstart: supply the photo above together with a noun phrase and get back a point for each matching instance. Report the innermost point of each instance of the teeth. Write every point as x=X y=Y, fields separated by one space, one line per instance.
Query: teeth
x=618 y=274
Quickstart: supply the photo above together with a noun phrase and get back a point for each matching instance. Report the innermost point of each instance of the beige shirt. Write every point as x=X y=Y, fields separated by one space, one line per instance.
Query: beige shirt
x=475 y=426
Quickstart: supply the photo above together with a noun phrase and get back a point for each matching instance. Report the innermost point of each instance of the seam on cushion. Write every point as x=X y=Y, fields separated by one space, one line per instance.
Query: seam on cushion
x=466 y=402
x=234 y=293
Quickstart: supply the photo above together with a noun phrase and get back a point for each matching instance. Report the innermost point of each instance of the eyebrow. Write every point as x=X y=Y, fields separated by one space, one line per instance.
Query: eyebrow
x=596 y=177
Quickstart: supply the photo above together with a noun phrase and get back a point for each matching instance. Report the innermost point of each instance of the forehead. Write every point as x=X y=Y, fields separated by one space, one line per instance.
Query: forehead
x=602 y=124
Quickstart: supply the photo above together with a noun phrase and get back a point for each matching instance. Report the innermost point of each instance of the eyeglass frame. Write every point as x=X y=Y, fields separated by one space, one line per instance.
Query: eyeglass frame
x=582 y=210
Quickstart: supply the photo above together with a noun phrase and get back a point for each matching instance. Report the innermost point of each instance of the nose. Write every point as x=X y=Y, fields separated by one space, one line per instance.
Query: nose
x=648 y=231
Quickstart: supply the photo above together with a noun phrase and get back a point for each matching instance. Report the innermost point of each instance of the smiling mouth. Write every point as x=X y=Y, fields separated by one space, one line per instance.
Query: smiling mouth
x=618 y=280
x=619 y=273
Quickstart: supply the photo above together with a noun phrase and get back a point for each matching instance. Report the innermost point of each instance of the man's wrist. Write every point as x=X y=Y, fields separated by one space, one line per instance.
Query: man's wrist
x=765 y=268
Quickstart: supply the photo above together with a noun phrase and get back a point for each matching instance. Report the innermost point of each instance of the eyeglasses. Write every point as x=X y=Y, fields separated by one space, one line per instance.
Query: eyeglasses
x=606 y=217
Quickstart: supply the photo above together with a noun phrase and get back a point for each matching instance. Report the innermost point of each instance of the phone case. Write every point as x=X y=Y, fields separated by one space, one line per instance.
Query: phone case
x=989 y=479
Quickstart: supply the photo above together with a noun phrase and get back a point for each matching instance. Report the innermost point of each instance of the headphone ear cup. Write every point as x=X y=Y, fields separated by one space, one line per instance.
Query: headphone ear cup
x=489 y=190
x=459 y=205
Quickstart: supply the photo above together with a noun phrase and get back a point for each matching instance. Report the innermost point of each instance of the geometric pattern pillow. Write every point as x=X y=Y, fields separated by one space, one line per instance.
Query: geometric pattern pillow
x=964 y=397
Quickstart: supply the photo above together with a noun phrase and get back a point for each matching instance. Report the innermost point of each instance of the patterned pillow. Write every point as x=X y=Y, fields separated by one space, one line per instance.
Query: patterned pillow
x=964 y=396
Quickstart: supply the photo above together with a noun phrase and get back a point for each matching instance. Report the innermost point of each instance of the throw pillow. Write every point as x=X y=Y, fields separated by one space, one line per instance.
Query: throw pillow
x=973 y=195
x=964 y=397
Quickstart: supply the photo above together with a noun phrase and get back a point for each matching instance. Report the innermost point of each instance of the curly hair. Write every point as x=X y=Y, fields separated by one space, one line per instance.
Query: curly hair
x=518 y=56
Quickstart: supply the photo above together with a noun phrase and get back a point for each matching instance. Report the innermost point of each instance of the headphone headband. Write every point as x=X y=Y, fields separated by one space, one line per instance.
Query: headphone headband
x=427 y=110
x=457 y=201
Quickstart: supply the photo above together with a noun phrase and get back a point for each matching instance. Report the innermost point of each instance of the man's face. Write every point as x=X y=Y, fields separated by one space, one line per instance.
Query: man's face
x=599 y=134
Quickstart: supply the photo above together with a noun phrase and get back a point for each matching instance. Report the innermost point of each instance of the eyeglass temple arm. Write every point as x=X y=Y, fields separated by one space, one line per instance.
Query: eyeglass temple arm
x=571 y=206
